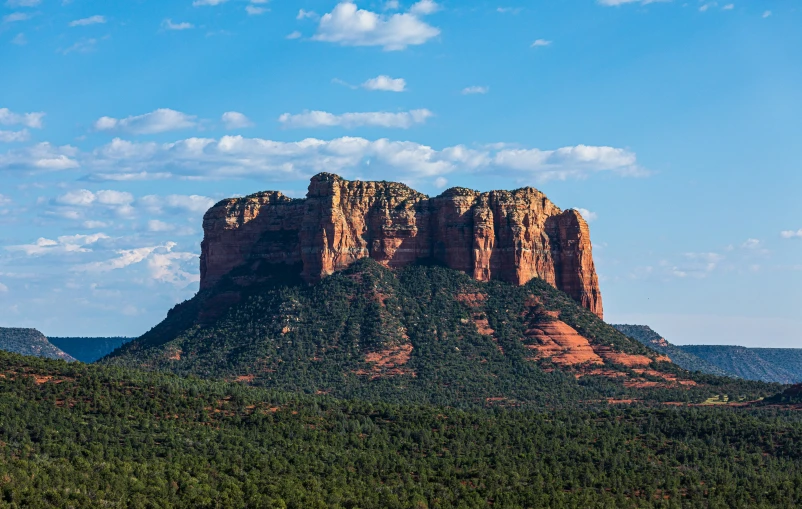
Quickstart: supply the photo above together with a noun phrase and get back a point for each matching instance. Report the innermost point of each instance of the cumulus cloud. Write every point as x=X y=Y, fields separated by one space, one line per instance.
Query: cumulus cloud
x=253 y=10
x=198 y=3
x=240 y=157
x=424 y=7
x=294 y=35
x=158 y=121
x=304 y=14
x=16 y=16
x=540 y=43
x=236 y=120
x=312 y=119
x=348 y=25
x=64 y=244
x=32 y=120
x=91 y=20
x=791 y=234
x=169 y=25
x=14 y=136
x=475 y=90
x=385 y=84
x=164 y=264
x=193 y=204
x=40 y=157
x=587 y=215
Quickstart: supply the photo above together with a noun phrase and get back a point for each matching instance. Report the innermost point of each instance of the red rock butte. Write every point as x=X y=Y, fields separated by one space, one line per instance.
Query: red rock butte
x=512 y=236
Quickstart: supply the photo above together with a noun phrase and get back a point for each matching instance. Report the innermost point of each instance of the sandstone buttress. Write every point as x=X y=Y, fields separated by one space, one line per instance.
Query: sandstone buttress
x=512 y=236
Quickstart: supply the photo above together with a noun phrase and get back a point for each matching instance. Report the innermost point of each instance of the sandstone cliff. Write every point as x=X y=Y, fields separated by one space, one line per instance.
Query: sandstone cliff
x=512 y=236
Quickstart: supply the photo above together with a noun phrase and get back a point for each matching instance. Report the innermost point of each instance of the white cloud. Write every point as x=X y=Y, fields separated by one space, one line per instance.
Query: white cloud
x=236 y=120
x=64 y=244
x=91 y=20
x=790 y=234
x=193 y=204
x=385 y=83
x=349 y=26
x=440 y=182
x=766 y=14
x=475 y=90
x=19 y=40
x=751 y=244
x=424 y=7
x=728 y=7
x=154 y=225
x=294 y=35
x=312 y=119
x=169 y=25
x=164 y=264
x=78 y=198
x=509 y=10
x=40 y=157
x=93 y=225
x=3 y=288
x=304 y=14
x=32 y=120
x=16 y=16
x=588 y=215
x=14 y=136
x=198 y=3
x=22 y=3
x=353 y=157
x=158 y=121
x=252 y=10
x=391 y=5
x=4 y=200
x=82 y=46
x=541 y=43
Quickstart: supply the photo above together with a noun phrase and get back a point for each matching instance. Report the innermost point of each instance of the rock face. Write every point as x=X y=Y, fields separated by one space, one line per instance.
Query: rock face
x=512 y=236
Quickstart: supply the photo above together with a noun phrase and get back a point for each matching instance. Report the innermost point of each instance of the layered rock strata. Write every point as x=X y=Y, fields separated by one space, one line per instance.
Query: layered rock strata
x=512 y=236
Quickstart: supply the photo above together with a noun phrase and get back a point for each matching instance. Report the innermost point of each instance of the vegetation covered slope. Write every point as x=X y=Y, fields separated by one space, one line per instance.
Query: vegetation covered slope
x=781 y=365
x=423 y=334
x=76 y=435
x=678 y=356
x=89 y=350
x=30 y=342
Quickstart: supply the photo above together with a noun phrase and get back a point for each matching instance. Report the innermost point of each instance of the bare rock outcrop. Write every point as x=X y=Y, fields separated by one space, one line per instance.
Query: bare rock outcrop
x=512 y=236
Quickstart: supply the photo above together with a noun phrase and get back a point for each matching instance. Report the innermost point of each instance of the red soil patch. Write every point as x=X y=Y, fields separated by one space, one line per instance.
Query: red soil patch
x=624 y=359
x=562 y=343
x=620 y=401
x=245 y=378
x=388 y=362
x=642 y=384
x=175 y=356
x=483 y=326
x=471 y=299
x=42 y=379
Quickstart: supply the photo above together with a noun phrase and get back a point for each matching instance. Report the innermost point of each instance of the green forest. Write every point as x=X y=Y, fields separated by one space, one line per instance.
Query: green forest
x=75 y=435
x=287 y=335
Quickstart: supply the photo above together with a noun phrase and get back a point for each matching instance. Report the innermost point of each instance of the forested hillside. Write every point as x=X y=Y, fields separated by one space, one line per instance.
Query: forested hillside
x=423 y=334
x=30 y=342
x=76 y=435
x=782 y=365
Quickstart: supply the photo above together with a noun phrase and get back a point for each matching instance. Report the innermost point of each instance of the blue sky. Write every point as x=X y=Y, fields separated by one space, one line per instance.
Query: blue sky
x=675 y=127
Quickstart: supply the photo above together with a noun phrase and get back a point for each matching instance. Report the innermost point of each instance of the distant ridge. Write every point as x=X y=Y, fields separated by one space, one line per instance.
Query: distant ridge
x=686 y=360
x=30 y=342
x=782 y=365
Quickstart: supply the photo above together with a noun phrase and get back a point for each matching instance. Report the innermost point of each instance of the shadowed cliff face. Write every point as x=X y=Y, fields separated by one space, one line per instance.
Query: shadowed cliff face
x=512 y=236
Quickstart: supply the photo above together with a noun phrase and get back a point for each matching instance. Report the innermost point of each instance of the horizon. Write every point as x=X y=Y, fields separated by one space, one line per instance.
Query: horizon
x=673 y=129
